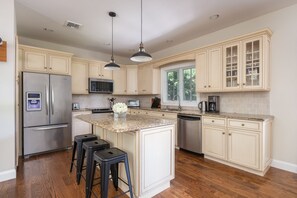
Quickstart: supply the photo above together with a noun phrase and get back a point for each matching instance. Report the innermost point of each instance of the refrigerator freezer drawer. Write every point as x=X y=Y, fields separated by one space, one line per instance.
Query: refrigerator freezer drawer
x=46 y=138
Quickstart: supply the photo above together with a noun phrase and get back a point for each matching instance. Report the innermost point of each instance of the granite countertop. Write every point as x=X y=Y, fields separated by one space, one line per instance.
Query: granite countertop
x=130 y=123
x=220 y=114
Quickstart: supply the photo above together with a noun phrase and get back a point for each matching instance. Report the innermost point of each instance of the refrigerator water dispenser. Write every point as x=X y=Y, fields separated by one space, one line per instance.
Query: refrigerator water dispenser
x=33 y=101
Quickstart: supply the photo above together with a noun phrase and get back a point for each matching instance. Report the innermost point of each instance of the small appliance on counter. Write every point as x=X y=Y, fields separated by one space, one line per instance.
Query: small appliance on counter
x=133 y=104
x=213 y=103
x=75 y=106
x=156 y=102
x=202 y=106
x=111 y=102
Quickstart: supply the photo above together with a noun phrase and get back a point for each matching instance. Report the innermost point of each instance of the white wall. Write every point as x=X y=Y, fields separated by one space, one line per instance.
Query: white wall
x=79 y=52
x=283 y=94
x=7 y=97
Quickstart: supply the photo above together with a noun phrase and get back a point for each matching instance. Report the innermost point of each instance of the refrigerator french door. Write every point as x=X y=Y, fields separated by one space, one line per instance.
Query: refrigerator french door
x=46 y=112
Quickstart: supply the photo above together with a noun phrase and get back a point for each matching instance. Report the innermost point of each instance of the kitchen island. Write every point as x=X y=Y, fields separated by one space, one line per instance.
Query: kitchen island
x=149 y=143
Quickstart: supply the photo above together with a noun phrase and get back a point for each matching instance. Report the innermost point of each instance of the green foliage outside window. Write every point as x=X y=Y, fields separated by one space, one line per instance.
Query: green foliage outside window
x=172 y=84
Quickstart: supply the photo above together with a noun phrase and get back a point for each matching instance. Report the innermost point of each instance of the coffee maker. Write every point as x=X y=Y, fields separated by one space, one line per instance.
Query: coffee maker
x=213 y=103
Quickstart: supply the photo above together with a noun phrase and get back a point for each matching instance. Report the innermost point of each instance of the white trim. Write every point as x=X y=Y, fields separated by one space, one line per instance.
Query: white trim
x=7 y=175
x=284 y=166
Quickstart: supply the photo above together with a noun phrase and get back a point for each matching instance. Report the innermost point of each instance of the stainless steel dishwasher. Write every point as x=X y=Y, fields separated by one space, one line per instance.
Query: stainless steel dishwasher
x=189 y=132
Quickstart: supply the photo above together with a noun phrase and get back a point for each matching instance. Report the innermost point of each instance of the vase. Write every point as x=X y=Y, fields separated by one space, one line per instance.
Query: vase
x=119 y=115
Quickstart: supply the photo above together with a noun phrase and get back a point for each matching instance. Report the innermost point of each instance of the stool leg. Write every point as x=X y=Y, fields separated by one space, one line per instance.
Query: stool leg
x=90 y=184
x=114 y=174
x=79 y=168
x=105 y=167
x=89 y=169
x=128 y=176
x=73 y=155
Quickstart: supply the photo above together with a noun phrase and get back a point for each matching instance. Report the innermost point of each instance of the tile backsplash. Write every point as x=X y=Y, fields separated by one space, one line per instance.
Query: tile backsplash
x=245 y=102
x=101 y=100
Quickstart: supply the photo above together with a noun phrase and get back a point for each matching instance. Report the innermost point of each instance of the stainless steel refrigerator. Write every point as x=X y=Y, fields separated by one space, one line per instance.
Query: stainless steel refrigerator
x=46 y=112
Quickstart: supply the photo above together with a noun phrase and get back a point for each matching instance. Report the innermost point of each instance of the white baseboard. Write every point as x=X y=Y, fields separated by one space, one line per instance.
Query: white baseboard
x=7 y=175
x=284 y=166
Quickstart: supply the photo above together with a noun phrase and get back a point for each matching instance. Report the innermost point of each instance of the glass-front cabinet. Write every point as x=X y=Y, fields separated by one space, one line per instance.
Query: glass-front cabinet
x=231 y=67
x=246 y=64
x=252 y=63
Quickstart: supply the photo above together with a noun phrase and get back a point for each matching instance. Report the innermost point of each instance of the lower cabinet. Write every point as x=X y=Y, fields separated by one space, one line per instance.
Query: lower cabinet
x=80 y=127
x=239 y=143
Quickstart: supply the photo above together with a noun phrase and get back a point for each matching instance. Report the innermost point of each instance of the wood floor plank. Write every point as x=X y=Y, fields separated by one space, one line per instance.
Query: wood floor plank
x=195 y=177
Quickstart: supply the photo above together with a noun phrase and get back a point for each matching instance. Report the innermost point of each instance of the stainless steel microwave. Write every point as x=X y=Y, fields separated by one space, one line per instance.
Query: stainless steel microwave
x=100 y=86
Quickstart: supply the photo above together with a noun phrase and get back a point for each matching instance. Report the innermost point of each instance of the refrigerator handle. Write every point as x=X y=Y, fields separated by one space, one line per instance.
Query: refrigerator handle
x=53 y=99
x=46 y=99
x=51 y=127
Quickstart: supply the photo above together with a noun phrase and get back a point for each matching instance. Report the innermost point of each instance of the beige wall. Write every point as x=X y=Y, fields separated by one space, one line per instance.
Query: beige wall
x=7 y=88
x=283 y=94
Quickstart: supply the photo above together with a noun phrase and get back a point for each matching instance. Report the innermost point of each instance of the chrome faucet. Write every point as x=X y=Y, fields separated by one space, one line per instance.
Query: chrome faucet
x=177 y=96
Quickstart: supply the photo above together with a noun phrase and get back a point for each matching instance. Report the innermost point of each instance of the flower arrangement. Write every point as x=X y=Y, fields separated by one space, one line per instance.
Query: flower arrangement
x=120 y=108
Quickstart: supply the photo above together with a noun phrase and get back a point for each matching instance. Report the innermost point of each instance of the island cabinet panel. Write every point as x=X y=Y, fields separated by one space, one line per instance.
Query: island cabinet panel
x=157 y=165
x=151 y=157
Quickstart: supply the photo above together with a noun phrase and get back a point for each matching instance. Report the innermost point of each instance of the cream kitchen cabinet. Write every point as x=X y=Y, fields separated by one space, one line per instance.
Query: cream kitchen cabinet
x=242 y=144
x=148 y=80
x=96 y=70
x=132 y=80
x=80 y=127
x=79 y=73
x=125 y=80
x=213 y=137
x=246 y=63
x=120 y=81
x=45 y=61
x=209 y=69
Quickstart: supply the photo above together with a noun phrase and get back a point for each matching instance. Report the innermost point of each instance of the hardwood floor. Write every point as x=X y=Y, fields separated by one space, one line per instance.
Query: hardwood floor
x=48 y=176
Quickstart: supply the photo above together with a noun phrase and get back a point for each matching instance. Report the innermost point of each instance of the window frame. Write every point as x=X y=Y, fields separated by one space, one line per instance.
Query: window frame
x=180 y=67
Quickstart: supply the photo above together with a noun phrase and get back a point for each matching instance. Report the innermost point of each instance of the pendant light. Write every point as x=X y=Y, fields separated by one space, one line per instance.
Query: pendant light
x=112 y=65
x=141 y=55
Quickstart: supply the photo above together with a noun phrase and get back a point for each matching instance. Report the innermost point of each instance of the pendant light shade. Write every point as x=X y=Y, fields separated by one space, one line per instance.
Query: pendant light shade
x=112 y=65
x=141 y=55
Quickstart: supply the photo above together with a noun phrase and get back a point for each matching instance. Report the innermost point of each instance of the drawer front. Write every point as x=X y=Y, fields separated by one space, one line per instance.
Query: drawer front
x=244 y=124
x=214 y=121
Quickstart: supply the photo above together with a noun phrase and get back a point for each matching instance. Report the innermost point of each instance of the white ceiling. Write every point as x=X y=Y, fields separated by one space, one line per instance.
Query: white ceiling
x=176 y=21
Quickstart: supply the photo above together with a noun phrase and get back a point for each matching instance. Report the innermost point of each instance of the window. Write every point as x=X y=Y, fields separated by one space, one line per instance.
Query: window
x=179 y=80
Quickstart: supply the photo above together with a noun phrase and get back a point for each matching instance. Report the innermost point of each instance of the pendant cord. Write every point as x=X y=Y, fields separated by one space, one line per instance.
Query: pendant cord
x=112 y=37
x=141 y=21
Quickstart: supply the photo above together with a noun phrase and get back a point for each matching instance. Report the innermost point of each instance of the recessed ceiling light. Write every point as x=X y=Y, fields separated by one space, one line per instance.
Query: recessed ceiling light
x=48 y=30
x=214 y=17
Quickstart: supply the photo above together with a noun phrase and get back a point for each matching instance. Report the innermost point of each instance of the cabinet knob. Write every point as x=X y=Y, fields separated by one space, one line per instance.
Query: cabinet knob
x=162 y=114
x=50 y=68
x=209 y=86
x=242 y=124
x=243 y=83
x=229 y=134
x=212 y=121
x=204 y=86
x=125 y=91
x=135 y=90
x=223 y=133
x=45 y=67
x=237 y=84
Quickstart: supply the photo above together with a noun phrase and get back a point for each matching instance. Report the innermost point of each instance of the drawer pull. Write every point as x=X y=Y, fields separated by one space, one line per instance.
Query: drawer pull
x=242 y=124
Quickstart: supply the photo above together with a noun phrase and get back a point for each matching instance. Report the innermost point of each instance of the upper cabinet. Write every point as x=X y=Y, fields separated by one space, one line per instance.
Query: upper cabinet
x=209 y=69
x=79 y=73
x=46 y=61
x=96 y=70
x=120 y=81
x=246 y=64
x=148 y=80
x=240 y=64
x=132 y=79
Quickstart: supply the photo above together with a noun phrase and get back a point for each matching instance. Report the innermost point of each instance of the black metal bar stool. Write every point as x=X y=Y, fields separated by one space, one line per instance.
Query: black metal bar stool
x=90 y=147
x=77 y=148
x=109 y=159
